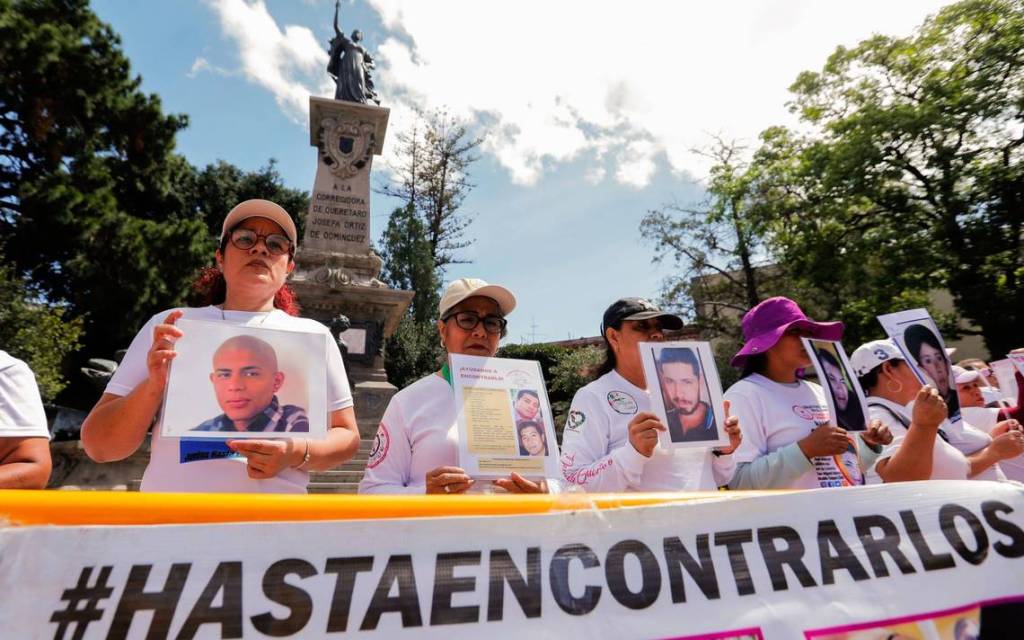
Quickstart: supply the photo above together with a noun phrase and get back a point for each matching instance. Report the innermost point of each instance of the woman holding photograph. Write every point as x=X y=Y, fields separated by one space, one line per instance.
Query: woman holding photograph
x=610 y=442
x=925 y=446
x=789 y=439
x=247 y=288
x=416 y=447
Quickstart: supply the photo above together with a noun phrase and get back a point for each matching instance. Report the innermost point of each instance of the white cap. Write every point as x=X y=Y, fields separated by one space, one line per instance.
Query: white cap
x=869 y=355
x=464 y=288
x=257 y=208
x=963 y=376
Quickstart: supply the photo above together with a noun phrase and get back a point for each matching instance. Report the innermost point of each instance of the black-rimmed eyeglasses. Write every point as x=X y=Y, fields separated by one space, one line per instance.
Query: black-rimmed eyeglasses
x=468 y=320
x=246 y=239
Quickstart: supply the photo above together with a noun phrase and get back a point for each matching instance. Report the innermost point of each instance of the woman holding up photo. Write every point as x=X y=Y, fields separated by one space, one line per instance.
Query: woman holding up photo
x=925 y=446
x=789 y=439
x=247 y=288
x=416 y=449
x=610 y=442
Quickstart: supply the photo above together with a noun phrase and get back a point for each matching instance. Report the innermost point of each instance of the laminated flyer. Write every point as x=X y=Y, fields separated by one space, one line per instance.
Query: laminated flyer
x=504 y=418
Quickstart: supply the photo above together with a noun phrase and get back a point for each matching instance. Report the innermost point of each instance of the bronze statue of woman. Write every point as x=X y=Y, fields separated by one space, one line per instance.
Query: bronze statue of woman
x=349 y=65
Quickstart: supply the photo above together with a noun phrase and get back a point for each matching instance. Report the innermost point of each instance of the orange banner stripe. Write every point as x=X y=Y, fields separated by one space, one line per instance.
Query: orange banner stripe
x=131 y=508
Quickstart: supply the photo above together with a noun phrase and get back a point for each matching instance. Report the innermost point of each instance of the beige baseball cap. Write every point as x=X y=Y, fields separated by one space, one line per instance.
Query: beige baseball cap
x=257 y=208
x=459 y=290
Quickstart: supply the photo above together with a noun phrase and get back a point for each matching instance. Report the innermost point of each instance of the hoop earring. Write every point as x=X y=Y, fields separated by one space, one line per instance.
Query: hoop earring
x=888 y=387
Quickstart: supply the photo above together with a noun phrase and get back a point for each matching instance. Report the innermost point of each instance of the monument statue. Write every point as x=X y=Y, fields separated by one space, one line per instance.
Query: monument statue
x=349 y=65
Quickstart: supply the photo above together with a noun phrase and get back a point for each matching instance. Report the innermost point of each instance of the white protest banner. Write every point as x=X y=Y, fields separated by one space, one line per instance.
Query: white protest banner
x=504 y=418
x=812 y=564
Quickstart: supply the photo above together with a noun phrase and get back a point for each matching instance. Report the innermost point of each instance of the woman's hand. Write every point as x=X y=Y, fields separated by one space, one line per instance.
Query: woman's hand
x=447 y=480
x=825 y=440
x=643 y=432
x=1007 y=445
x=161 y=352
x=877 y=435
x=516 y=483
x=732 y=429
x=1004 y=427
x=929 y=408
x=267 y=458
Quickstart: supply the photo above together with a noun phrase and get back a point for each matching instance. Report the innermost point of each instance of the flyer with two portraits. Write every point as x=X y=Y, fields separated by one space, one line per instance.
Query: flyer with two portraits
x=686 y=393
x=232 y=381
x=504 y=418
x=918 y=339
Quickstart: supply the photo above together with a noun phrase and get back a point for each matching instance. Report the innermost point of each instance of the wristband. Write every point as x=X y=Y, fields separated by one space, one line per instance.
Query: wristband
x=305 y=456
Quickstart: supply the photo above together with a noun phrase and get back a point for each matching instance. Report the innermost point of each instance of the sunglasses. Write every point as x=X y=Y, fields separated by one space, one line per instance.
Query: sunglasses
x=467 y=320
x=246 y=239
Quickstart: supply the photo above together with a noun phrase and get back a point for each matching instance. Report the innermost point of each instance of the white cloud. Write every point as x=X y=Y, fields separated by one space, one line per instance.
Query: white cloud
x=202 y=65
x=289 y=62
x=622 y=85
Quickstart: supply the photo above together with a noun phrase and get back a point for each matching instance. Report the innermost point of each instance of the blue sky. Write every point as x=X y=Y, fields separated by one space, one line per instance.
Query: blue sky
x=590 y=111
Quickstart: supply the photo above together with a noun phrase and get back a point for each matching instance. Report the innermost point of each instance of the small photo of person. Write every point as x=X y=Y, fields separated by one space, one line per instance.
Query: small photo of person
x=926 y=349
x=685 y=392
x=532 y=441
x=849 y=412
x=246 y=380
x=525 y=404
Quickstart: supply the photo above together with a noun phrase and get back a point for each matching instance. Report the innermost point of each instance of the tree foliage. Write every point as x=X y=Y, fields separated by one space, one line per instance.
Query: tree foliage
x=717 y=247
x=90 y=210
x=423 y=237
x=912 y=173
x=38 y=333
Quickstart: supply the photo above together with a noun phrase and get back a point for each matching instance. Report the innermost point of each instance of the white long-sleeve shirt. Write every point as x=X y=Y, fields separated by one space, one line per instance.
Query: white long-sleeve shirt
x=597 y=455
x=418 y=433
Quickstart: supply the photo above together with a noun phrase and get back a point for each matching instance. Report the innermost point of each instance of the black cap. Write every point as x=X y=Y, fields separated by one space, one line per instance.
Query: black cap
x=638 y=309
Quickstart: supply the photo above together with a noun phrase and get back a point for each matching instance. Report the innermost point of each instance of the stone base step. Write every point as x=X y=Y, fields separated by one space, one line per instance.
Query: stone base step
x=336 y=475
x=332 y=487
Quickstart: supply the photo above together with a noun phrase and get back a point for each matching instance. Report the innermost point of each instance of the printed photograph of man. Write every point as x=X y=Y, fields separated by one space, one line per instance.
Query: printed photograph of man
x=926 y=350
x=526 y=404
x=246 y=380
x=849 y=412
x=690 y=419
x=531 y=438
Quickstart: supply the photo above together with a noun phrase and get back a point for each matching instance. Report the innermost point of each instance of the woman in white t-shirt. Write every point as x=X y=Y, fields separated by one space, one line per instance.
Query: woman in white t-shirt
x=925 y=446
x=789 y=439
x=610 y=442
x=256 y=254
x=416 y=447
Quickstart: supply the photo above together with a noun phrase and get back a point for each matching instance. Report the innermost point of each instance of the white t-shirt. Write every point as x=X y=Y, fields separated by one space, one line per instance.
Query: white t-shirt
x=597 y=454
x=773 y=415
x=166 y=471
x=948 y=463
x=968 y=440
x=418 y=433
x=21 y=409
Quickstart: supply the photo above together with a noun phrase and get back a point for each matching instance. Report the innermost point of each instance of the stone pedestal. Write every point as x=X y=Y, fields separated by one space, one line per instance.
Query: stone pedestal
x=336 y=272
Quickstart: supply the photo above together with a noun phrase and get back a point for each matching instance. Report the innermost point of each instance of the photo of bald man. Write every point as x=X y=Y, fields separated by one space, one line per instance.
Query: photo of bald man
x=246 y=380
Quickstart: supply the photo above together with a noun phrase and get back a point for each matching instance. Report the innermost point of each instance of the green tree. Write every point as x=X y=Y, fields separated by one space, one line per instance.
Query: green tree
x=91 y=212
x=40 y=334
x=221 y=185
x=914 y=166
x=424 y=236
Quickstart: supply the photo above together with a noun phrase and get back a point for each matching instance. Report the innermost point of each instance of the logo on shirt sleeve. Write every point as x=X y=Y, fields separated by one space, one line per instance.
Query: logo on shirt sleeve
x=381 y=445
x=575 y=420
x=622 y=402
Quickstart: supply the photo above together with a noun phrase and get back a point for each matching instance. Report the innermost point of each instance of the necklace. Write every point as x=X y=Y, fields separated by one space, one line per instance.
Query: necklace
x=262 y=319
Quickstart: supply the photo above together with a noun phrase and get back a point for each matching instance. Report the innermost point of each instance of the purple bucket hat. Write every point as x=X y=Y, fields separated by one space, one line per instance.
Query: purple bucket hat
x=764 y=325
